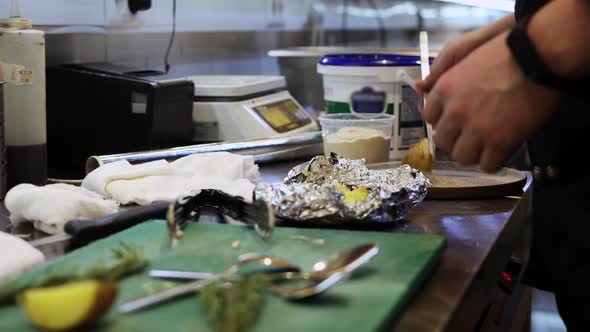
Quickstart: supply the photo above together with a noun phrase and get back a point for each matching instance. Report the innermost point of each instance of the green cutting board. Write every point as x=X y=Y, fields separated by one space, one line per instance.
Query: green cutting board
x=369 y=301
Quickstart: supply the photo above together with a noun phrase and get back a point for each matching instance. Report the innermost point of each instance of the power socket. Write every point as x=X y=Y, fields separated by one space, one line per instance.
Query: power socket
x=275 y=12
x=137 y=5
x=120 y=15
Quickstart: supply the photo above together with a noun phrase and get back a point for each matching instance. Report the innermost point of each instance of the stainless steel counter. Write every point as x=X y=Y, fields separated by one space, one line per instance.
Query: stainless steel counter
x=481 y=237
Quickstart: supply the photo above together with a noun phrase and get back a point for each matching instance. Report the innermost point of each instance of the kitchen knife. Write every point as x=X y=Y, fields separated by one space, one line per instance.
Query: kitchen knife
x=84 y=231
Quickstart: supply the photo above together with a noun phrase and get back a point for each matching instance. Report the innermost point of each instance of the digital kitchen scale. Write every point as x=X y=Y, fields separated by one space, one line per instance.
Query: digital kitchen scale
x=230 y=108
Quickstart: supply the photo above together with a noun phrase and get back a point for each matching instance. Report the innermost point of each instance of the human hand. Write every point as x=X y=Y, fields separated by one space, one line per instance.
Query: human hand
x=458 y=49
x=452 y=54
x=484 y=108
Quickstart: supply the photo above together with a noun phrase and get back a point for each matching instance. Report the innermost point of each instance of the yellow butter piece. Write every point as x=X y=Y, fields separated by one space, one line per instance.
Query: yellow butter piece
x=353 y=196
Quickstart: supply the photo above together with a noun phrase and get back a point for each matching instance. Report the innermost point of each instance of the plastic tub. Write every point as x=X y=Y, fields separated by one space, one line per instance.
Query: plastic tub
x=376 y=84
x=357 y=136
x=299 y=67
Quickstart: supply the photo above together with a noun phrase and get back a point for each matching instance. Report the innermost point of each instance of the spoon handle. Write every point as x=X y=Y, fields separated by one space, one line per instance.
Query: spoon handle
x=164 y=296
x=180 y=275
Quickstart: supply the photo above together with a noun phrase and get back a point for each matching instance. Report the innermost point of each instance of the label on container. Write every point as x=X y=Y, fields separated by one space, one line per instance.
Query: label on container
x=411 y=125
x=409 y=136
x=368 y=100
x=15 y=74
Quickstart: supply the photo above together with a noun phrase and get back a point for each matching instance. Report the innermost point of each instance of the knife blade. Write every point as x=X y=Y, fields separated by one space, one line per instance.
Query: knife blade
x=83 y=231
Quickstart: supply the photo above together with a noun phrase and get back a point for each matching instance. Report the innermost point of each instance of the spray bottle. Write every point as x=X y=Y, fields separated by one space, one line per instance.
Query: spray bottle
x=22 y=66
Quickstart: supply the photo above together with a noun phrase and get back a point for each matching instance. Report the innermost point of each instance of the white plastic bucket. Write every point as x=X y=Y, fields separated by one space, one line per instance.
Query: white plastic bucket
x=376 y=83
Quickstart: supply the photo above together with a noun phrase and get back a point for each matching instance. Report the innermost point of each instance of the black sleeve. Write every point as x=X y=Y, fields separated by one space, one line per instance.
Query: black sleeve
x=526 y=8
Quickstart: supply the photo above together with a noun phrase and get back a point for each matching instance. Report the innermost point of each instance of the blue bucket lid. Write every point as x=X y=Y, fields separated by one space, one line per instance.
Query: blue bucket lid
x=370 y=60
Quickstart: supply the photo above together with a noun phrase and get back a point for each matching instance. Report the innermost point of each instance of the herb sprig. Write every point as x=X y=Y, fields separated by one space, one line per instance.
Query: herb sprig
x=234 y=306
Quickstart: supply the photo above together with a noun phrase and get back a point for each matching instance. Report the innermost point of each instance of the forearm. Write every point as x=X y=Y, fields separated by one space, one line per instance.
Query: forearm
x=561 y=33
x=492 y=30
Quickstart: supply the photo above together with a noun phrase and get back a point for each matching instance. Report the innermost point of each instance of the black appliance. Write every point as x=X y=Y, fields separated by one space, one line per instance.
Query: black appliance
x=95 y=109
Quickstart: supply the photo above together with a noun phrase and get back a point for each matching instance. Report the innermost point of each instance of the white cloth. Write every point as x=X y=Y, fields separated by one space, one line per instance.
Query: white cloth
x=50 y=207
x=162 y=181
x=17 y=256
x=98 y=179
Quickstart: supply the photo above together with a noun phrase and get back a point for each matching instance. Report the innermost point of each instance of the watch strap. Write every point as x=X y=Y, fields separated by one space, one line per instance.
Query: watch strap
x=533 y=66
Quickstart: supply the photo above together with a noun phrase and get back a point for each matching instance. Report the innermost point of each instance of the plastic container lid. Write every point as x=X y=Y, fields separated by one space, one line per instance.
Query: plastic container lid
x=354 y=119
x=235 y=85
x=370 y=60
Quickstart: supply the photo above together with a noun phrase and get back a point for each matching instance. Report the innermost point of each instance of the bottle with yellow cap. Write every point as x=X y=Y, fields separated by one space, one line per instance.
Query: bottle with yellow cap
x=22 y=66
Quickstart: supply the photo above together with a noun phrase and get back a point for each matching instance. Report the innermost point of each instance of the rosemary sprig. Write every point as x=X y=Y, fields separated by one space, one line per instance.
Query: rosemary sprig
x=126 y=260
x=234 y=306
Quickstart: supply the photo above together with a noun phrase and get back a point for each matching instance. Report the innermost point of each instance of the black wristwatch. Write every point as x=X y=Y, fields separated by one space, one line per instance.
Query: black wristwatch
x=528 y=58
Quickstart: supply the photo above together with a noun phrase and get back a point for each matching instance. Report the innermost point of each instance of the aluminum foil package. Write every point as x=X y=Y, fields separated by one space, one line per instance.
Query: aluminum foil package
x=338 y=190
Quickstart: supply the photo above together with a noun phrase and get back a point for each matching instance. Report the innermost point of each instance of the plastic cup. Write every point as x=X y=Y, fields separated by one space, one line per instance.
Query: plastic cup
x=356 y=136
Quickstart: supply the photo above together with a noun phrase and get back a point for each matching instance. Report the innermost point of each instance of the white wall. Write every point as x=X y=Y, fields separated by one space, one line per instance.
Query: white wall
x=59 y=12
x=192 y=15
x=230 y=36
x=246 y=15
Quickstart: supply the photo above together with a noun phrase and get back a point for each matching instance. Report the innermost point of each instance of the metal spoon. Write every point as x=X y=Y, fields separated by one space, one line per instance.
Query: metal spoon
x=325 y=273
x=194 y=286
x=345 y=261
x=261 y=264
x=313 y=287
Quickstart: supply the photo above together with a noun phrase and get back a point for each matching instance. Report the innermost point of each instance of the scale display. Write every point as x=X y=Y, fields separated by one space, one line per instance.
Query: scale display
x=283 y=116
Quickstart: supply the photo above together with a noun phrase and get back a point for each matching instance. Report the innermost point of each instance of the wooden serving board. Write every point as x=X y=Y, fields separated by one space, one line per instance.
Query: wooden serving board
x=453 y=181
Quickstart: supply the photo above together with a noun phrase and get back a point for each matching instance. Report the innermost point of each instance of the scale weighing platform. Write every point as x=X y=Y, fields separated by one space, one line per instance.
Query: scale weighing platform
x=232 y=108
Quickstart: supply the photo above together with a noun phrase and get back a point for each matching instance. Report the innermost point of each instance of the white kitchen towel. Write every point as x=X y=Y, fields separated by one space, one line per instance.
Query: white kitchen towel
x=97 y=181
x=50 y=207
x=223 y=165
x=162 y=181
x=17 y=256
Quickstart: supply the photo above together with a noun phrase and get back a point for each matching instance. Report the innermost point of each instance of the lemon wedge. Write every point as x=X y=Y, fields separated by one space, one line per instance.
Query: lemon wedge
x=68 y=306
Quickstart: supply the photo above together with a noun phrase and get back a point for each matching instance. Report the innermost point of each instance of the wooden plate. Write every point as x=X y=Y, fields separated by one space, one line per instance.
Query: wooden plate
x=453 y=181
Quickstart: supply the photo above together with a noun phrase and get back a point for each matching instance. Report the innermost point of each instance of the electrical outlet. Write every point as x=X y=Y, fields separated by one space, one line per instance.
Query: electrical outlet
x=137 y=5
x=119 y=14
x=276 y=13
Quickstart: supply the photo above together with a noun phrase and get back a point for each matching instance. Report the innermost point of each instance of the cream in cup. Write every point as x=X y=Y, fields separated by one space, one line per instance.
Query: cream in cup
x=356 y=136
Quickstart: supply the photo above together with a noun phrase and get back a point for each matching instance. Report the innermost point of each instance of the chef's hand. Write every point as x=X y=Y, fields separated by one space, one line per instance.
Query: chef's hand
x=483 y=108
x=452 y=54
x=458 y=49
